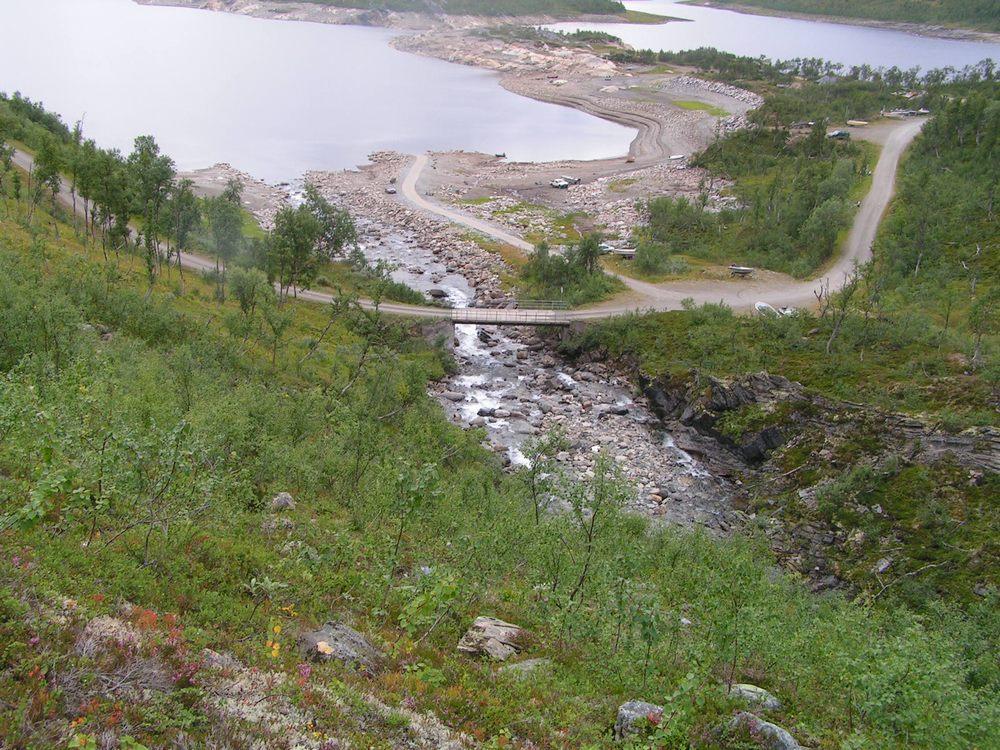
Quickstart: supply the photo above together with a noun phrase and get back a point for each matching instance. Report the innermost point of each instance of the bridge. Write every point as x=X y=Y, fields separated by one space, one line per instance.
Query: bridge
x=554 y=315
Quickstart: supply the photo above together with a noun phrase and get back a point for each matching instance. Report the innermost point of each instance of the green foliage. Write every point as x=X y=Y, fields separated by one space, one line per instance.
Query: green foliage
x=982 y=14
x=574 y=276
x=793 y=203
x=157 y=449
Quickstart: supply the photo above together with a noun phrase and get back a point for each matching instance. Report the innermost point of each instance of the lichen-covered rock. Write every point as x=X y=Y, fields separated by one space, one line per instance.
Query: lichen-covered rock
x=632 y=713
x=338 y=641
x=282 y=501
x=771 y=736
x=492 y=637
x=755 y=696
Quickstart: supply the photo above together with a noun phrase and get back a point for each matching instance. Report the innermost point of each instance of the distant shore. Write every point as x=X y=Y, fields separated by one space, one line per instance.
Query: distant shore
x=907 y=27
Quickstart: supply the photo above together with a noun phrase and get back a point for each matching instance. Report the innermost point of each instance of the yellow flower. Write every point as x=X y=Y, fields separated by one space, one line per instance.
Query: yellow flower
x=270 y=644
x=277 y=629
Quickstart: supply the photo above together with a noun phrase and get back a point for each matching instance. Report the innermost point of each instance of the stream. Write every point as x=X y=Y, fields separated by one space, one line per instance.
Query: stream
x=512 y=384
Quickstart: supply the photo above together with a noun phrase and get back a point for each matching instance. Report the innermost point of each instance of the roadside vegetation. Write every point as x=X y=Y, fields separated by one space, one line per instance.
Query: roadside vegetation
x=794 y=196
x=914 y=333
x=137 y=200
x=792 y=191
x=574 y=276
x=972 y=14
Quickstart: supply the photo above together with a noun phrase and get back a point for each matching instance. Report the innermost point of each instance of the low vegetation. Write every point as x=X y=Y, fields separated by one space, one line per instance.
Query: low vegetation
x=574 y=276
x=792 y=198
x=144 y=433
x=977 y=14
x=912 y=333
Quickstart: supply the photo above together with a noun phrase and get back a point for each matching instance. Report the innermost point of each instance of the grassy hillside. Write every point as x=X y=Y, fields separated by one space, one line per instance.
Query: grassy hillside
x=979 y=14
x=914 y=333
x=145 y=428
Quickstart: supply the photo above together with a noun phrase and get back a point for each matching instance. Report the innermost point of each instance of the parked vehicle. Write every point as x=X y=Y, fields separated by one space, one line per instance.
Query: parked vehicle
x=390 y=190
x=570 y=180
x=741 y=271
x=559 y=184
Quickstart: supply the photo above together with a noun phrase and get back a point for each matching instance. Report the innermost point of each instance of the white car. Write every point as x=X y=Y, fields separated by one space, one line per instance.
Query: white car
x=559 y=184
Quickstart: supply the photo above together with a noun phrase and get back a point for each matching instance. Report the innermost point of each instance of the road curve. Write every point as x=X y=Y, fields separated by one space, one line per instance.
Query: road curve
x=742 y=294
x=643 y=297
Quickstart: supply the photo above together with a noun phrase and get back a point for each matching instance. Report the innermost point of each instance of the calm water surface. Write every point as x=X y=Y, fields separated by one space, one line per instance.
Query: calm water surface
x=273 y=98
x=786 y=38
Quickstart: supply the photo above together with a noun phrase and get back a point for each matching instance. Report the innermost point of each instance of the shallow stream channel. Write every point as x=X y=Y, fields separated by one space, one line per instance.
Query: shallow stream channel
x=512 y=384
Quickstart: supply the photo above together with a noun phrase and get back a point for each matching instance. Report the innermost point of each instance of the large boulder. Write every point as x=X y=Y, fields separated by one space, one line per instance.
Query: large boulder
x=633 y=714
x=338 y=641
x=755 y=696
x=282 y=501
x=769 y=735
x=492 y=637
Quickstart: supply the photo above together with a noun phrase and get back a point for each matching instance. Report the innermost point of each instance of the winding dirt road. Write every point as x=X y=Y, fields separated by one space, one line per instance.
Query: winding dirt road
x=738 y=294
x=642 y=296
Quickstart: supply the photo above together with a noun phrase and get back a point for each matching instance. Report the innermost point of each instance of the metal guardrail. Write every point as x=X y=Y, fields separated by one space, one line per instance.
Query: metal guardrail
x=541 y=304
x=499 y=316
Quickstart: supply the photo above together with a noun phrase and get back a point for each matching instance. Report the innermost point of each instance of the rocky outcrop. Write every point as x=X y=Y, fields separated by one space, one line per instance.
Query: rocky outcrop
x=338 y=641
x=633 y=715
x=491 y=637
x=755 y=696
x=768 y=735
x=282 y=501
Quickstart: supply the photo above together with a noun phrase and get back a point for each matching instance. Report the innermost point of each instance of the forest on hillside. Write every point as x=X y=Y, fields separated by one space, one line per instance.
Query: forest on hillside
x=980 y=14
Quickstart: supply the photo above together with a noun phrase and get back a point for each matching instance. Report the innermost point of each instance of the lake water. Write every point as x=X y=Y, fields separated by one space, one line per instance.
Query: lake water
x=279 y=98
x=273 y=98
x=786 y=38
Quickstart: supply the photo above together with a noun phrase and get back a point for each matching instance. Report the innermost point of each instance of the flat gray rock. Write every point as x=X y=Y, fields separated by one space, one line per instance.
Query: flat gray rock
x=491 y=637
x=338 y=641
x=755 y=696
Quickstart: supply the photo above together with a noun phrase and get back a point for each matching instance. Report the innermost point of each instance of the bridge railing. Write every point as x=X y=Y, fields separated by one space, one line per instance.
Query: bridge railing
x=500 y=316
x=542 y=304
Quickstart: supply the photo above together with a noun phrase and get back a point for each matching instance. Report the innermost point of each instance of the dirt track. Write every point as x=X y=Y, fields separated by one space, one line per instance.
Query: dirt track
x=642 y=296
x=740 y=295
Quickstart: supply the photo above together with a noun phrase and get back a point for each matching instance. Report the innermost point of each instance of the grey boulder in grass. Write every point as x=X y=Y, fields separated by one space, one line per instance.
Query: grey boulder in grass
x=338 y=641
x=491 y=637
